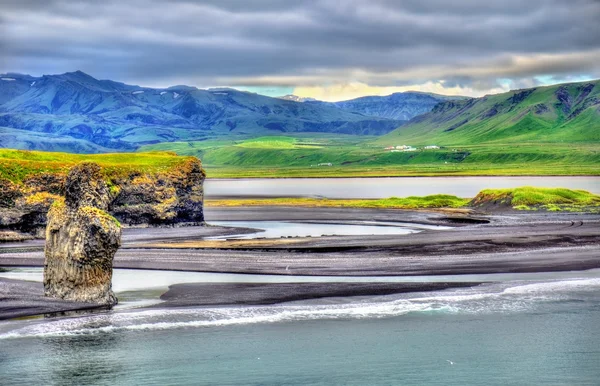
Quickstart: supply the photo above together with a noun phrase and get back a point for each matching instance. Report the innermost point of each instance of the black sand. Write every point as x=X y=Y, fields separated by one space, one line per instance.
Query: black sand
x=24 y=298
x=510 y=242
x=204 y=294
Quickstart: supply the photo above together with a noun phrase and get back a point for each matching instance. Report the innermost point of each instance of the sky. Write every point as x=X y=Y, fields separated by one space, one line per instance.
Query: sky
x=326 y=49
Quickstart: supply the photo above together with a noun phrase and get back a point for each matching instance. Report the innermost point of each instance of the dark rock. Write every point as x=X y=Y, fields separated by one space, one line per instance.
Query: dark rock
x=520 y=96
x=165 y=198
x=9 y=193
x=81 y=240
x=564 y=100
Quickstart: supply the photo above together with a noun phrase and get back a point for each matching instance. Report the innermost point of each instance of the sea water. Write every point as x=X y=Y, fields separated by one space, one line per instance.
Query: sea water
x=513 y=330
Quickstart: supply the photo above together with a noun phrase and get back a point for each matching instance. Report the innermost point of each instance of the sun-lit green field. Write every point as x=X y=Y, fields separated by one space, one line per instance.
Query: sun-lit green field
x=352 y=156
x=15 y=165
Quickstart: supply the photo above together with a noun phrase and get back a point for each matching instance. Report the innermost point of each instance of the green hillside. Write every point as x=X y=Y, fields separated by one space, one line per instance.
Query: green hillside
x=565 y=113
x=547 y=130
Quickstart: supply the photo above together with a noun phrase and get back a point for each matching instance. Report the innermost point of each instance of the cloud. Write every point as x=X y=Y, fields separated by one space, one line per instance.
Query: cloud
x=314 y=44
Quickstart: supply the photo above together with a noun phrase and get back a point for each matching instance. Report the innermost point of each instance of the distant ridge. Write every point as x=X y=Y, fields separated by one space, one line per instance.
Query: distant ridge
x=401 y=106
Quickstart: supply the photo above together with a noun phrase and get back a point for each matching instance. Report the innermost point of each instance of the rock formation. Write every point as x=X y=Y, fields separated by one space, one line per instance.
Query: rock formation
x=81 y=240
x=166 y=197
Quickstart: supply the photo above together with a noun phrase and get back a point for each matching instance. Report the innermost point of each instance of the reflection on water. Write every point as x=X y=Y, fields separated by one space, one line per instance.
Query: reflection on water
x=59 y=353
x=385 y=187
x=278 y=229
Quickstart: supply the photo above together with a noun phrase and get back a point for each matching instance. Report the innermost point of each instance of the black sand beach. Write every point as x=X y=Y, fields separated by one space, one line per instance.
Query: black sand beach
x=477 y=244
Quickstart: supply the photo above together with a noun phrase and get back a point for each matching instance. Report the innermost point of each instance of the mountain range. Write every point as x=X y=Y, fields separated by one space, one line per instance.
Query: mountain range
x=75 y=112
x=401 y=106
x=563 y=113
x=78 y=113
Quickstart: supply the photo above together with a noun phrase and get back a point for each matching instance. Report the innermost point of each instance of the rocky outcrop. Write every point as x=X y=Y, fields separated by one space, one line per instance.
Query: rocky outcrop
x=136 y=197
x=81 y=240
x=166 y=198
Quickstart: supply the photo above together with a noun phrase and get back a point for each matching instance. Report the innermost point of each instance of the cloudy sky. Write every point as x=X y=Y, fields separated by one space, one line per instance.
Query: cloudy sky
x=327 y=49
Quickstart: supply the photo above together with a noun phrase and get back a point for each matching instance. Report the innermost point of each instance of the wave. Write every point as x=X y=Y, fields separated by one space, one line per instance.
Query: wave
x=486 y=299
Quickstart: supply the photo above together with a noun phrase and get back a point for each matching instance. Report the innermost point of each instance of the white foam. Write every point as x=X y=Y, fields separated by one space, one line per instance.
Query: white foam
x=163 y=92
x=8 y=79
x=502 y=297
x=491 y=299
x=162 y=319
x=137 y=92
x=555 y=287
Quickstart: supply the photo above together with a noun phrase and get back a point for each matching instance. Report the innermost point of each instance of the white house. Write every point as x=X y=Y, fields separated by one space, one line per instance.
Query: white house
x=431 y=147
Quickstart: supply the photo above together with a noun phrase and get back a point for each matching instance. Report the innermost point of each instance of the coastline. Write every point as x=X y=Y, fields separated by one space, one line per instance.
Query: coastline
x=504 y=243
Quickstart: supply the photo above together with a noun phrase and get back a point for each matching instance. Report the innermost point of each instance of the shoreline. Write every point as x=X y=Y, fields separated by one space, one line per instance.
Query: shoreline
x=504 y=243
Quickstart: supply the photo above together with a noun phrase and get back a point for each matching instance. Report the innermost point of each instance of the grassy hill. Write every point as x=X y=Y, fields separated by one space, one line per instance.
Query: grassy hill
x=565 y=113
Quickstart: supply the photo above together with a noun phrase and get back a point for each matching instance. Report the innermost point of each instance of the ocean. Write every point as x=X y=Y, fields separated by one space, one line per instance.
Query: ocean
x=513 y=330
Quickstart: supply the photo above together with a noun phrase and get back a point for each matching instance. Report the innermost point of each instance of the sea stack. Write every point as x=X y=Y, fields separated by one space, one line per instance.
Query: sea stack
x=81 y=240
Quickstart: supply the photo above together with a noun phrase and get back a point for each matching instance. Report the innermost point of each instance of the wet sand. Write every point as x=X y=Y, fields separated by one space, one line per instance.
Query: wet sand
x=514 y=242
x=19 y=298
x=203 y=294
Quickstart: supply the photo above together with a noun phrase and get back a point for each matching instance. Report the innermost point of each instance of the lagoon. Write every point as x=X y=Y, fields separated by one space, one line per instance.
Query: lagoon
x=384 y=187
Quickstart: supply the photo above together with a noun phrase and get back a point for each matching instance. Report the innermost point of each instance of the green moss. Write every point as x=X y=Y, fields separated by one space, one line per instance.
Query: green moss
x=532 y=198
x=528 y=198
x=95 y=213
x=427 y=202
x=41 y=198
x=17 y=165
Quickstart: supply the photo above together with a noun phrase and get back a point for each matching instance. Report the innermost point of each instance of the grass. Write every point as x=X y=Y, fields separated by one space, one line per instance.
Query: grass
x=522 y=198
x=532 y=198
x=17 y=165
x=433 y=201
x=279 y=143
x=352 y=157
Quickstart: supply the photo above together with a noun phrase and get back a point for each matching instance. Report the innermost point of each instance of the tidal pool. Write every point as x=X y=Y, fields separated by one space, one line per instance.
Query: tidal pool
x=278 y=229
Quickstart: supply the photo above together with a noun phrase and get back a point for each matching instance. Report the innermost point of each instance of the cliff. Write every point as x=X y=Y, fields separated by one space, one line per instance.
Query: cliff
x=144 y=189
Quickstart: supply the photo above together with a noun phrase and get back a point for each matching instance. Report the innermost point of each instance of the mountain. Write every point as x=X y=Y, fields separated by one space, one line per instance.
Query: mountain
x=400 y=106
x=295 y=98
x=76 y=112
x=560 y=113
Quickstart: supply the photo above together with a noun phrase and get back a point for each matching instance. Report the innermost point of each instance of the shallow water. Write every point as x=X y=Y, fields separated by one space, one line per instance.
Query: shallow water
x=278 y=229
x=523 y=329
x=385 y=187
